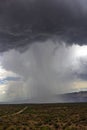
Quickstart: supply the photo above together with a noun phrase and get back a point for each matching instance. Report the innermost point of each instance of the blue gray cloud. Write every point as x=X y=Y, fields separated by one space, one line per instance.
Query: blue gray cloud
x=8 y=79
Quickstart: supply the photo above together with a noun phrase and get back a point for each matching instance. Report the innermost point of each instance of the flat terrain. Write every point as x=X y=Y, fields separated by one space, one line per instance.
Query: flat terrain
x=44 y=117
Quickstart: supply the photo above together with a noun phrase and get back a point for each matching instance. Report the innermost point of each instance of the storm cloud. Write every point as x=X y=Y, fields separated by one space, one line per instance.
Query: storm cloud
x=23 y=22
x=43 y=48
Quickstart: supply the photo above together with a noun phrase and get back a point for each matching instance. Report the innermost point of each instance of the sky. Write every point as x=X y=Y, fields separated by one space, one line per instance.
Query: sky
x=43 y=48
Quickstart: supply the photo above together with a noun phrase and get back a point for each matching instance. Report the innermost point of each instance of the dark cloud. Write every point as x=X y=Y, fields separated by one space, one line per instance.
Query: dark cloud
x=25 y=21
x=83 y=77
x=82 y=72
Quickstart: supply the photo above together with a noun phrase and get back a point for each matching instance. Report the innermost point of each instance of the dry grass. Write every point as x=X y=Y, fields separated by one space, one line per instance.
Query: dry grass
x=44 y=117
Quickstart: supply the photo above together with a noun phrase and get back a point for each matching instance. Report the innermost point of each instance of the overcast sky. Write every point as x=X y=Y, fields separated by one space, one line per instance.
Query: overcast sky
x=43 y=48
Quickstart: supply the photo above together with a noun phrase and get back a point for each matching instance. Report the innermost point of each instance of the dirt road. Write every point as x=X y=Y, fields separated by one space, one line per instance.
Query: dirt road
x=22 y=110
x=16 y=113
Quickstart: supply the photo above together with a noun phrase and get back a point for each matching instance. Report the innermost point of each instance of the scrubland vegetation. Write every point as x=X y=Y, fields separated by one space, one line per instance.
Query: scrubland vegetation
x=44 y=117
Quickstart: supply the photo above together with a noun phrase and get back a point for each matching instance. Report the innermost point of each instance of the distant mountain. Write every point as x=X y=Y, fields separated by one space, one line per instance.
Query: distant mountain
x=67 y=97
x=74 y=97
x=61 y=98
